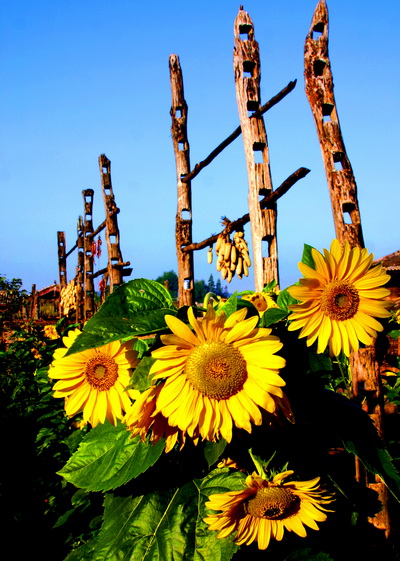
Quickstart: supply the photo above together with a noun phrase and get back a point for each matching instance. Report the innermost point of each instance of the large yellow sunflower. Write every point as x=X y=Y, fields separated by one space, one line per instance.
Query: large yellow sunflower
x=94 y=381
x=340 y=299
x=223 y=373
x=265 y=508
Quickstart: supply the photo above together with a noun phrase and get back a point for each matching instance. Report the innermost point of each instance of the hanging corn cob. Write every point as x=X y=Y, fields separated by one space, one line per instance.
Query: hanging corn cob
x=232 y=256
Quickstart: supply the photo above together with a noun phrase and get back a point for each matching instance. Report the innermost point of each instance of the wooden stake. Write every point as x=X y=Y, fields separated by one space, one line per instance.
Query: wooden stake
x=88 y=287
x=183 y=231
x=247 y=78
x=365 y=372
x=79 y=309
x=116 y=265
x=62 y=259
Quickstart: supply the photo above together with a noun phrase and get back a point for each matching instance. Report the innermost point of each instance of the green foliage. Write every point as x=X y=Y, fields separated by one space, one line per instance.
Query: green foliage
x=164 y=524
x=108 y=457
x=136 y=308
x=11 y=298
x=307 y=257
x=105 y=496
x=171 y=279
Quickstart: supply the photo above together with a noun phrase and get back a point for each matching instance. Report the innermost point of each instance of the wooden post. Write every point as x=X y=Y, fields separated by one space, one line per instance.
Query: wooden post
x=88 y=287
x=62 y=259
x=366 y=381
x=319 y=90
x=183 y=231
x=247 y=78
x=79 y=313
x=34 y=304
x=116 y=267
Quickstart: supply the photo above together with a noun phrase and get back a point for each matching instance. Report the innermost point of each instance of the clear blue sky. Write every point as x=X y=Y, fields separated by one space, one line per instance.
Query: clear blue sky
x=90 y=77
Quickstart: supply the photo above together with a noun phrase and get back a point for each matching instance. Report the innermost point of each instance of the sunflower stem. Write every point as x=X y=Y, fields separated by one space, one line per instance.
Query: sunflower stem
x=257 y=463
x=207 y=297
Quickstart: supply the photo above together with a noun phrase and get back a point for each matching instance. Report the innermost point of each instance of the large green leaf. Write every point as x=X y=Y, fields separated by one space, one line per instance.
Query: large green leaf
x=108 y=457
x=135 y=308
x=360 y=437
x=166 y=525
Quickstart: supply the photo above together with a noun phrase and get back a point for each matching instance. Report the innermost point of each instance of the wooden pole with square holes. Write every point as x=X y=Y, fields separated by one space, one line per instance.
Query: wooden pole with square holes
x=183 y=231
x=263 y=221
x=116 y=267
x=366 y=382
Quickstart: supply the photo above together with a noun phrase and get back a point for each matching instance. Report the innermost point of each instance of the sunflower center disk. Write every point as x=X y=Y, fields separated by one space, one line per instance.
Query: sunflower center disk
x=216 y=370
x=340 y=300
x=274 y=503
x=101 y=372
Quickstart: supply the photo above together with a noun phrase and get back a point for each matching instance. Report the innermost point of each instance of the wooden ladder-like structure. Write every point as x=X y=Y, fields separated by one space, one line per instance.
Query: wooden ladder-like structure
x=84 y=276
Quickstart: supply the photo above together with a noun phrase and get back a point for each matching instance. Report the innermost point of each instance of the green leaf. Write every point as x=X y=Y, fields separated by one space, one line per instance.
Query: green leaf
x=270 y=286
x=272 y=315
x=360 y=437
x=319 y=362
x=284 y=300
x=135 y=308
x=140 y=379
x=166 y=525
x=307 y=257
x=213 y=451
x=230 y=306
x=108 y=457
x=307 y=554
x=395 y=334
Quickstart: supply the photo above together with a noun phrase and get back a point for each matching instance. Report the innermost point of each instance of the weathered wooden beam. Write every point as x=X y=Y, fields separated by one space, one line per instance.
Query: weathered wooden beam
x=247 y=79
x=183 y=229
x=62 y=259
x=88 y=286
x=237 y=132
x=320 y=94
x=115 y=261
x=365 y=371
x=272 y=197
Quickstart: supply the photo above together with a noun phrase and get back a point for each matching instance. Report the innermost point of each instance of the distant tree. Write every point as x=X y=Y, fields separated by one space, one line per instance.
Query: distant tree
x=200 y=290
x=218 y=288
x=11 y=298
x=172 y=279
x=211 y=284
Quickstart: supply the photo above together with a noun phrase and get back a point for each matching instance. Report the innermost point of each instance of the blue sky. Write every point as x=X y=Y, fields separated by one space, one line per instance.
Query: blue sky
x=84 y=78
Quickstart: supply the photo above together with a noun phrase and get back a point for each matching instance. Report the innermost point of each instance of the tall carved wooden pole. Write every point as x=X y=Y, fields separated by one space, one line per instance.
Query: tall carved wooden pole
x=88 y=287
x=319 y=90
x=116 y=266
x=62 y=259
x=247 y=79
x=366 y=380
x=183 y=231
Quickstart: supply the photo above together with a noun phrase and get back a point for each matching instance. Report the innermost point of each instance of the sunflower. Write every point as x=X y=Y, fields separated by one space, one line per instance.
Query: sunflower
x=339 y=299
x=50 y=332
x=140 y=417
x=223 y=373
x=94 y=380
x=265 y=508
x=261 y=301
